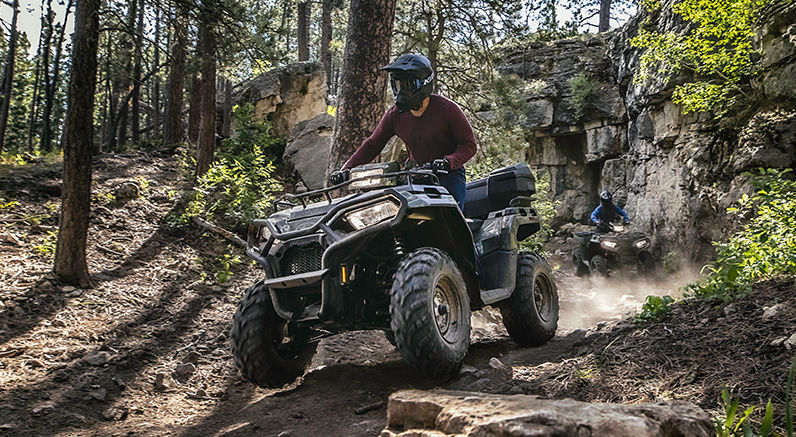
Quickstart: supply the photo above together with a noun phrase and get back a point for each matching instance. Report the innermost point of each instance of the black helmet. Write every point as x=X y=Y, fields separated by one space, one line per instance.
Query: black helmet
x=606 y=199
x=412 y=80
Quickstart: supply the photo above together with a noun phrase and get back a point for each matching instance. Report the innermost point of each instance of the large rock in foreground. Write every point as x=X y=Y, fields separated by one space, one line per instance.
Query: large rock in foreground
x=440 y=413
x=309 y=149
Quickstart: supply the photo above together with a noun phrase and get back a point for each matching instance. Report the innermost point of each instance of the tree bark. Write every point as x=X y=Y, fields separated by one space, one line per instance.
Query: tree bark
x=70 y=253
x=33 y=115
x=173 y=131
x=205 y=147
x=362 y=85
x=135 y=119
x=155 y=79
x=8 y=76
x=605 y=16
x=194 y=109
x=127 y=54
x=52 y=85
x=303 y=25
x=326 y=40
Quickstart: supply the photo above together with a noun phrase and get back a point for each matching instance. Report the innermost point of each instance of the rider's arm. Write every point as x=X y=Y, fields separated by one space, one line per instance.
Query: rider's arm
x=372 y=146
x=623 y=213
x=595 y=215
x=463 y=136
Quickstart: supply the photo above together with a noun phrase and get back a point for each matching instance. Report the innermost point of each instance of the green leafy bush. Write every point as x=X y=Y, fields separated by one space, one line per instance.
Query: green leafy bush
x=239 y=185
x=582 y=87
x=765 y=247
x=546 y=208
x=653 y=308
x=718 y=49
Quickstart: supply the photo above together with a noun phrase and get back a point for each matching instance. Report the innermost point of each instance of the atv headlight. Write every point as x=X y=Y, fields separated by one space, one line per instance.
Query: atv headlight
x=362 y=218
x=608 y=244
x=618 y=228
x=642 y=244
x=372 y=175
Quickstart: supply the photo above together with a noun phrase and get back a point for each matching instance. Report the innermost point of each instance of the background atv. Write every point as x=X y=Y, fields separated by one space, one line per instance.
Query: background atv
x=399 y=258
x=600 y=252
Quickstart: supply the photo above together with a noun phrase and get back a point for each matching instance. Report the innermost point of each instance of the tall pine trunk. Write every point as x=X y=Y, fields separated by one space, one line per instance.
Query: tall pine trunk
x=136 y=107
x=8 y=76
x=70 y=252
x=173 y=130
x=362 y=85
x=303 y=24
x=33 y=114
x=52 y=86
x=205 y=146
x=194 y=108
x=605 y=16
x=326 y=40
x=156 y=117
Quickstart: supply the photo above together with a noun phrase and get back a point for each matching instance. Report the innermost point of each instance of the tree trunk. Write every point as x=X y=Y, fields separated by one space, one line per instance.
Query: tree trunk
x=205 y=147
x=155 y=78
x=135 y=119
x=226 y=126
x=303 y=25
x=70 y=252
x=326 y=40
x=8 y=76
x=52 y=85
x=605 y=16
x=127 y=55
x=362 y=85
x=173 y=131
x=194 y=109
x=33 y=115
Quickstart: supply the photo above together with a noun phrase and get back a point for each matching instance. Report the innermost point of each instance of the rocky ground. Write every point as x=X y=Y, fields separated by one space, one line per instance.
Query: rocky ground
x=145 y=352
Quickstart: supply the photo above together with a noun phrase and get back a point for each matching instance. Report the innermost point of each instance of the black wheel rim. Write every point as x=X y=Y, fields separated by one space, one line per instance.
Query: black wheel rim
x=286 y=346
x=447 y=308
x=543 y=297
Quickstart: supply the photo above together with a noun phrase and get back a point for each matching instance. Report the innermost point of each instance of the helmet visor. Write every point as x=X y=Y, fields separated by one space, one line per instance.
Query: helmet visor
x=406 y=86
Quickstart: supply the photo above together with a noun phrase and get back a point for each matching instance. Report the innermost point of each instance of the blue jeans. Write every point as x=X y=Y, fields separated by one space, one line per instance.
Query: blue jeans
x=456 y=184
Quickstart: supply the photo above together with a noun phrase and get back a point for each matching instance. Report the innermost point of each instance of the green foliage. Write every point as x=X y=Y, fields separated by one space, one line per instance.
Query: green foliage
x=654 y=307
x=224 y=266
x=546 y=208
x=765 y=247
x=582 y=87
x=718 y=49
x=239 y=184
x=47 y=244
x=732 y=422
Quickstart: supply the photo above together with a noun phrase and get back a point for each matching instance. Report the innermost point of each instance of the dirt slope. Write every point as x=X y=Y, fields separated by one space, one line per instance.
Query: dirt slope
x=146 y=351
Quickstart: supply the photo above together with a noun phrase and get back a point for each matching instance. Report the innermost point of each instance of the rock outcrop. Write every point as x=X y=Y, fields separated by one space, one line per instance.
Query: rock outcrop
x=674 y=174
x=450 y=413
x=308 y=149
x=286 y=96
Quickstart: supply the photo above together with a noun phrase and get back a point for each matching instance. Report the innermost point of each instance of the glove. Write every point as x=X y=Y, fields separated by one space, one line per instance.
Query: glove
x=627 y=222
x=441 y=165
x=338 y=177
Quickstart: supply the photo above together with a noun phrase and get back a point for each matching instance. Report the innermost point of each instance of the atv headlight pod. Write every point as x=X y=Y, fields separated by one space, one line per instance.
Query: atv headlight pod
x=373 y=214
x=608 y=244
x=618 y=228
x=642 y=243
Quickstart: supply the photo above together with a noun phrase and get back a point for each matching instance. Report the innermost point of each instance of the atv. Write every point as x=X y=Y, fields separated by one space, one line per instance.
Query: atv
x=601 y=252
x=397 y=254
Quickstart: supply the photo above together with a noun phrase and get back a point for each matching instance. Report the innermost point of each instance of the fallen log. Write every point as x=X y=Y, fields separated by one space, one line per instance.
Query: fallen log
x=229 y=235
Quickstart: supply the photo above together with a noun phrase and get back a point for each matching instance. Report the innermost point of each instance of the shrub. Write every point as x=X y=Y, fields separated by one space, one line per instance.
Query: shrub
x=765 y=247
x=582 y=87
x=653 y=308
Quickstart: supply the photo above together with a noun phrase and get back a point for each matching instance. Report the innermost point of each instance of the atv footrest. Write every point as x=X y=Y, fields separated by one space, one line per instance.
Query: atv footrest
x=299 y=280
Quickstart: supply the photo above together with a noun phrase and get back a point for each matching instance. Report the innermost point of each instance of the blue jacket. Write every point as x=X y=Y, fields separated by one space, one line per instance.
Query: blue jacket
x=598 y=214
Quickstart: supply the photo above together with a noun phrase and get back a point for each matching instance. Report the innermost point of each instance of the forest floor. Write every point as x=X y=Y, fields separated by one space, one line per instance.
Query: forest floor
x=145 y=352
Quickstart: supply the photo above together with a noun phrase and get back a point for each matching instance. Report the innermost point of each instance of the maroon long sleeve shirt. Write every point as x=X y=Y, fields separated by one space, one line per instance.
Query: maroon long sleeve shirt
x=441 y=132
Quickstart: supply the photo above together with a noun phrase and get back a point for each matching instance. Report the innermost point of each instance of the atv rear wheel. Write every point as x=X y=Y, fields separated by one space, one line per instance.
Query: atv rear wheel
x=530 y=315
x=430 y=312
x=265 y=351
x=598 y=264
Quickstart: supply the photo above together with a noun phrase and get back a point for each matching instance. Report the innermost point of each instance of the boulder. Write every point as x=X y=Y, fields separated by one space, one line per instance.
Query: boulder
x=439 y=413
x=286 y=96
x=309 y=148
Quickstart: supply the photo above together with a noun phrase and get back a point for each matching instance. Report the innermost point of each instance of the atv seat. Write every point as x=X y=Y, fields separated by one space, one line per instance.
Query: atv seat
x=474 y=224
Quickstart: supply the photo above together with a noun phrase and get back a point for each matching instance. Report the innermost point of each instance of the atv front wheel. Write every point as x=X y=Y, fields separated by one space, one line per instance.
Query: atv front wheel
x=599 y=265
x=430 y=312
x=577 y=261
x=265 y=351
x=530 y=315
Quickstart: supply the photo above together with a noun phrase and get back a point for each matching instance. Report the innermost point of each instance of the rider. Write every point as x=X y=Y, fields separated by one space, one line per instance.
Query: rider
x=607 y=212
x=434 y=128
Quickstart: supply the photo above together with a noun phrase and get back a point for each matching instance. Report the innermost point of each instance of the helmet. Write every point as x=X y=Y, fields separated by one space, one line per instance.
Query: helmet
x=411 y=79
x=606 y=199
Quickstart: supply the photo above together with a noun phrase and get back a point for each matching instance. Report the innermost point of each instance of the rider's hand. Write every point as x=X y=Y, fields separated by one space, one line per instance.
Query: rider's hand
x=627 y=222
x=338 y=177
x=441 y=164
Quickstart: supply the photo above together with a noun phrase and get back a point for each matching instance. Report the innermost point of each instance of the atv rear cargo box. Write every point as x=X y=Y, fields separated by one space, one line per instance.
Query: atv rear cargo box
x=494 y=192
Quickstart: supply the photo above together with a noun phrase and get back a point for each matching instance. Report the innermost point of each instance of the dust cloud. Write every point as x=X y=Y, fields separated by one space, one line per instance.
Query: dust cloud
x=586 y=301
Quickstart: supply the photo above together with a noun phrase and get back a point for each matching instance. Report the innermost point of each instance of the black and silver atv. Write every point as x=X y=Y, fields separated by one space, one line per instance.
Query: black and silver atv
x=396 y=255
x=601 y=252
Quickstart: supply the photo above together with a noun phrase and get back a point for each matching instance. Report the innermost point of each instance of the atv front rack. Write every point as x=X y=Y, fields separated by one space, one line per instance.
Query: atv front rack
x=326 y=192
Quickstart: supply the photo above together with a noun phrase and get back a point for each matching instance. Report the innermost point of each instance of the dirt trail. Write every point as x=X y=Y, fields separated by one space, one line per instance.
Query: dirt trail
x=146 y=351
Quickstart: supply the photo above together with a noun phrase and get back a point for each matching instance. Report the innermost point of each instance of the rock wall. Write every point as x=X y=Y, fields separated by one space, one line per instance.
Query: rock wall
x=674 y=174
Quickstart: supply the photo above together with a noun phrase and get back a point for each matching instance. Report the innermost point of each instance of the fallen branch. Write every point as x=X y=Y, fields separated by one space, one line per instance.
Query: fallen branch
x=229 y=235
